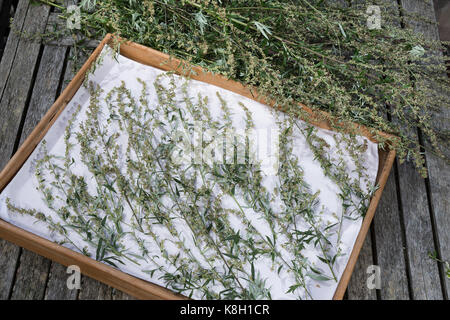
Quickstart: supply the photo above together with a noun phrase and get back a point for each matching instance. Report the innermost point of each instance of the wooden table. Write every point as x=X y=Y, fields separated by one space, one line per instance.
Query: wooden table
x=412 y=219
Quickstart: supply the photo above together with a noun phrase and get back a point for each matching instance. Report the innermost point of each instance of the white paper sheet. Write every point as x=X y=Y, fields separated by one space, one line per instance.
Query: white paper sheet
x=109 y=74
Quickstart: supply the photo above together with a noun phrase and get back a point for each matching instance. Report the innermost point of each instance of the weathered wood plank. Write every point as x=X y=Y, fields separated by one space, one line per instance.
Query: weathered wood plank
x=413 y=222
x=438 y=169
x=16 y=91
x=45 y=87
x=423 y=272
x=12 y=44
x=56 y=23
x=390 y=245
x=357 y=288
x=425 y=279
x=119 y=295
x=9 y=256
x=57 y=284
x=4 y=16
x=390 y=289
x=9 y=253
x=94 y=290
x=424 y=276
x=31 y=276
x=15 y=79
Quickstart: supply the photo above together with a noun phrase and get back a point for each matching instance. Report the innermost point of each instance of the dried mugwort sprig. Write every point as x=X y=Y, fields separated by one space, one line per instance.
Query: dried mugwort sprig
x=121 y=196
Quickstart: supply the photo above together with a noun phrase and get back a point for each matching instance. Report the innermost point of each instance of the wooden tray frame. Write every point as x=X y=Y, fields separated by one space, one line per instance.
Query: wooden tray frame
x=120 y=280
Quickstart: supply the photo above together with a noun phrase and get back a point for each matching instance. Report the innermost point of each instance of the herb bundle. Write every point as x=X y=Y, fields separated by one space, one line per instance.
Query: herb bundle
x=206 y=229
x=320 y=53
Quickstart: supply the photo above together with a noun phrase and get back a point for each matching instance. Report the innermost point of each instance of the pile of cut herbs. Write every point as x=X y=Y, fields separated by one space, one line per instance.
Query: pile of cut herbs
x=328 y=55
x=205 y=229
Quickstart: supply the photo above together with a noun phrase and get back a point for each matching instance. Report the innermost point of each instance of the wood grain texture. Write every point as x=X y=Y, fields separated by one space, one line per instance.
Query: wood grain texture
x=119 y=295
x=357 y=287
x=31 y=277
x=56 y=23
x=9 y=253
x=57 y=284
x=16 y=91
x=9 y=256
x=438 y=169
x=92 y=289
x=390 y=246
x=424 y=272
x=12 y=44
x=15 y=59
x=424 y=279
x=45 y=87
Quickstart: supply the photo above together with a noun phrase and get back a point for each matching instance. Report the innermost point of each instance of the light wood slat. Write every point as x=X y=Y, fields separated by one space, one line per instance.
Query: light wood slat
x=32 y=274
x=438 y=170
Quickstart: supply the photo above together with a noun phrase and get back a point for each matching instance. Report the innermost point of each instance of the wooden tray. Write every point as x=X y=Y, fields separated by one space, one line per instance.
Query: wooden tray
x=134 y=286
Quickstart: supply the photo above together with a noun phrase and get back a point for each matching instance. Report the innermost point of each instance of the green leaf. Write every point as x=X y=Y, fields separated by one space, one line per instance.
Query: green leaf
x=318 y=277
x=265 y=30
x=109 y=187
x=99 y=248
x=201 y=20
